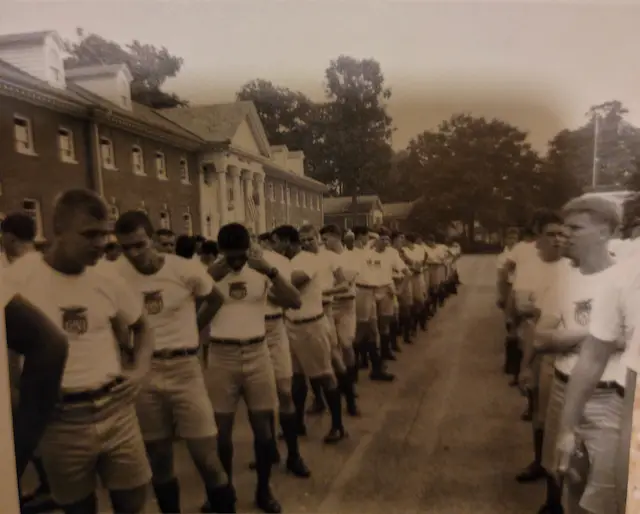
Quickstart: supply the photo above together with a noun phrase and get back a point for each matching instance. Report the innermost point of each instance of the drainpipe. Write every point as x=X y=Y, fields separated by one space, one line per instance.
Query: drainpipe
x=92 y=149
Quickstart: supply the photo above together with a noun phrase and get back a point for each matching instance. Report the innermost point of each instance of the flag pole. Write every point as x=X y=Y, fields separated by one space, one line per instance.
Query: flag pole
x=594 y=170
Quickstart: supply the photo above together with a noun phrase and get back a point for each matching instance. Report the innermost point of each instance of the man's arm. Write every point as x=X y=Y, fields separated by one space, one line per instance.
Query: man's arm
x=208 y=308
x=143 y=343
x=559 y=340
x=286 y=294
x=44 y=347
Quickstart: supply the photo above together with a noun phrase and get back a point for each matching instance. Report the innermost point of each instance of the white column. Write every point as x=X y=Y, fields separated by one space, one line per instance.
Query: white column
x=223 y=206
x=247 y=182
x=238 y=207
x=262 y=207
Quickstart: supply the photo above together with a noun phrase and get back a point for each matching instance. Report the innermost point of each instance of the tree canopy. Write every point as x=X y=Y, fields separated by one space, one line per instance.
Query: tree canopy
x=150 y=66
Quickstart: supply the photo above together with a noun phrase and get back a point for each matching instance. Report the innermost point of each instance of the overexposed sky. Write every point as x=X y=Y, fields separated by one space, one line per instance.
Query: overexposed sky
x=538 y=65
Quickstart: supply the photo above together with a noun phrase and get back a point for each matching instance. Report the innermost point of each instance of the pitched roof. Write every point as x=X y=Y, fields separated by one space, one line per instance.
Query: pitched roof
x=214 y=123
x=398 y=209
x=98 y=70
x=29 y=38
x=139 y=112
x=343 y=204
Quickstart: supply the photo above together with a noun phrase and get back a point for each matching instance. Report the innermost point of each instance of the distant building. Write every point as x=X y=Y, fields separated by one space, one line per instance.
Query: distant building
x=191 y=169
x=342 y=211
x=396 y=215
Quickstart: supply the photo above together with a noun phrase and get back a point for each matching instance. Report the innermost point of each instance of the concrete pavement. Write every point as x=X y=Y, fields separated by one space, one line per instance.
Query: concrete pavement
x=445 y=438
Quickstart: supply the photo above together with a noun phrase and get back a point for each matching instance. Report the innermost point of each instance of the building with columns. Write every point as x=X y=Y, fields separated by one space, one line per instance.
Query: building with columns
x=244 y=179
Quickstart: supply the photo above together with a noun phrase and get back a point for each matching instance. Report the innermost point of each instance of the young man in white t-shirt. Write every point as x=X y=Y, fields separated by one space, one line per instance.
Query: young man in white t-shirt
x=589 y=223
x=511 y=239
x=241 y=364
x=174 y=399
x=97 y=394
x=308 y=332
x=614 y=317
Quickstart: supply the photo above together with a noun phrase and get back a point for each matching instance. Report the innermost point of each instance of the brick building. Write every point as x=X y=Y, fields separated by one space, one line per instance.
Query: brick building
x=79 y=128
x=367 y=210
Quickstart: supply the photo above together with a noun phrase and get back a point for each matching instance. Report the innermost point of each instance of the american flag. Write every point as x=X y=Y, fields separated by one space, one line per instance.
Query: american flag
x=252 y=209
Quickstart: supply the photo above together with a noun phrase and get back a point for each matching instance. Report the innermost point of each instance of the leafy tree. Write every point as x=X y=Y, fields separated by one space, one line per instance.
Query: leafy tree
x=474 y=170
x=149 y=66
x=357 y=128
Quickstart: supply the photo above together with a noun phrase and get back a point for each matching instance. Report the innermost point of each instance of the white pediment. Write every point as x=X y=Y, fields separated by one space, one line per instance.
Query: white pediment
x=245 y=139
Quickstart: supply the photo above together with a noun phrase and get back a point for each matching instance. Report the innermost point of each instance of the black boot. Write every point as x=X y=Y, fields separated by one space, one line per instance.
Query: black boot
x=362 y=359
x=299 y=391
x=378 y=373
x=553 y=505
x=345 y=383
x=222 y=500
x=405 y=323
x=168 y=496
x=275 y=451
x=225 y=454
x=394 y=334
x=295 y=464
x=385 y=348
x=422 y=316
x=265 y=500
x=337 y=433
x=318 y=406
x=534 y=471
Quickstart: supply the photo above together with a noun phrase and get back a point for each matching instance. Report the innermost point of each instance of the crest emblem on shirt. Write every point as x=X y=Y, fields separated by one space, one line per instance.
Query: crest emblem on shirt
x=582 y=312
x=153 y=302
x=74 y=320
x=377 y=263
x=238 y=290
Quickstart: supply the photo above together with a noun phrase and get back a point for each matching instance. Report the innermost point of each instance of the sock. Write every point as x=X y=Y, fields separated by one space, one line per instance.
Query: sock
x=262 y=451
x=335 y=407
x=288 y=424
x=299 y=391
x=168 y=496
x=225 y=454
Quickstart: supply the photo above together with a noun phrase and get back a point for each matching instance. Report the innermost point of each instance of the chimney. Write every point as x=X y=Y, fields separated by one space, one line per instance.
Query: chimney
x=279 y=155
x=295 y=162
x=39 y=54
x=110 y=81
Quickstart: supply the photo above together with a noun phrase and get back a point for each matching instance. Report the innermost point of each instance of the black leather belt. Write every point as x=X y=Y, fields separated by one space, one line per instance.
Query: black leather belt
x=174 y=353
x=608 y=385
x=366 y=286
x=306 y=320
x=326 y=302
x=237 y=342
x=91 y=395
x=272 y=317
x=343 y=298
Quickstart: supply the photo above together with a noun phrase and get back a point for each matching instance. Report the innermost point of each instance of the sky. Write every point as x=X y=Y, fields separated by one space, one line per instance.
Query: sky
x=538 y=65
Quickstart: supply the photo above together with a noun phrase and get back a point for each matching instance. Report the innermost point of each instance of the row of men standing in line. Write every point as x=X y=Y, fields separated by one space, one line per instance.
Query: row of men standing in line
x=571 y=304
x=97 y=391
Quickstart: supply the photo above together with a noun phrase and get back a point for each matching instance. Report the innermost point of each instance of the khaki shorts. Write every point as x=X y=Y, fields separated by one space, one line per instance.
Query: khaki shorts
x=310 y=347
x=241 y=371
x=344 y=317
x=418 y=288
x=86 y=442
x=405 y=293
x=175 y=401
x=433 y=276
x=374 y=303
x=278 y=343
x=626 y=476
x=545 y=381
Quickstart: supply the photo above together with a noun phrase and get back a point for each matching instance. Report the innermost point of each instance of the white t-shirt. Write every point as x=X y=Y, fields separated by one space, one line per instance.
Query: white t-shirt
x=169 y=298
x=283 y=265
x=241 y=316
x=311 y=294
x=351 y=269
x=526 y=259
x=329 y=266
x=433 y=256
x=616 y=310
x=502 y=260
x=82 y=306
x=417 y=254
x=624 y=248
x=572 y=301
x=382 y=266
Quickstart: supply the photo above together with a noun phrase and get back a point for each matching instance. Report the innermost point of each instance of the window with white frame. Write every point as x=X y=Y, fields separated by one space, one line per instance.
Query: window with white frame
x=184 y=171
x=165 y=219
x=188 y=223
x=288 y=195
x=297 y=197
x=65 y=145
x=32 y=208
x=282 y=193
x=23 y=135
x=304 y=199
x=114 y=212
x=271 y=192
x=143 y=207
x=107 y=154
x=161 y=166
x=137 y=160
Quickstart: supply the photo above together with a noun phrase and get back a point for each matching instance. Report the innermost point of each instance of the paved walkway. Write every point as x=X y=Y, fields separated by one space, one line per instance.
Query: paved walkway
x=445 y=438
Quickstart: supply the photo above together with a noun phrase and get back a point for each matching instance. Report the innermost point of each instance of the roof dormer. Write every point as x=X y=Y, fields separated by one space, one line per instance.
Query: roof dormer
x=111 y=82
x=39 y=54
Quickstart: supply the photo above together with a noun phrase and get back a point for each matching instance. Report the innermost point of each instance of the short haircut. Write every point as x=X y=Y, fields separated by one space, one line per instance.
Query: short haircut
x=331 y=229
x=185 y=246
x=430 y=238
x=360 y=231
x=287 y=233
x=348 y=234
x=74 y=201
x=199 y=238
x=384 y=231
x=210 y=248
x=411 y=237
x=111 y=245
x=165 y=232
x=396 y=234
x=20 y=225
x=600 y=209
x=265 y=236
x=308 y=227
x=548 y=218
x=234 y=237
x=130 y=221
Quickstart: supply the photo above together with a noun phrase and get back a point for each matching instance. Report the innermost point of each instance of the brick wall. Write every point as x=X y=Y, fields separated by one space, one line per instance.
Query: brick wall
x=277 y=210
x=129 y=189
x=43 y=176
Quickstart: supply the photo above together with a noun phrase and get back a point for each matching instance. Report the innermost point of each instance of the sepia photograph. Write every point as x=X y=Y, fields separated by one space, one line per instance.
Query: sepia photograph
x=319 y=257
